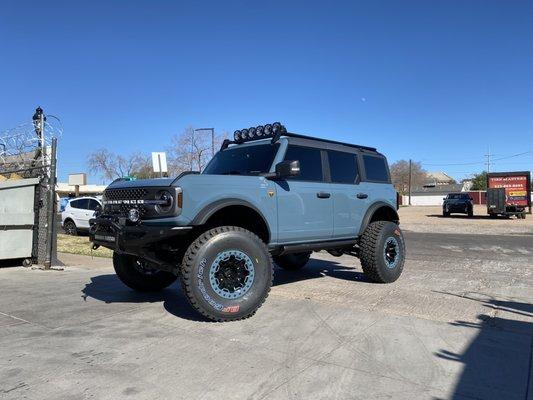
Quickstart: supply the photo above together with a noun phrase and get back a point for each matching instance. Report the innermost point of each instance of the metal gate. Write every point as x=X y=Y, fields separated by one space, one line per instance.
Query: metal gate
x=27 y=190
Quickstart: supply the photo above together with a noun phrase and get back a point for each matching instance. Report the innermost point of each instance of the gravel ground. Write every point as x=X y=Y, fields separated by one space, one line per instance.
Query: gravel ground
x=429 y=219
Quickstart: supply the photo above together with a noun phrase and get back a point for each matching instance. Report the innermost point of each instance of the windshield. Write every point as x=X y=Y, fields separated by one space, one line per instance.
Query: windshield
x=457 y=196
x=243 y=160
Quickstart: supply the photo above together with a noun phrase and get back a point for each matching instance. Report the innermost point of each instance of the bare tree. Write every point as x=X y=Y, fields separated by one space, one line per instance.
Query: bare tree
x=112 y=166
x=400 y=175
x=191 y=151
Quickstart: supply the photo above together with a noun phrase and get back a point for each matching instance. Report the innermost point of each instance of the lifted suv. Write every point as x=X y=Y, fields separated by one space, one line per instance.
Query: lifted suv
x=267 y=196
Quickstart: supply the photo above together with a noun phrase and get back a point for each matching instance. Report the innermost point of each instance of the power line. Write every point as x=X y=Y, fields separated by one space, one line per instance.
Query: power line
x=487 y=162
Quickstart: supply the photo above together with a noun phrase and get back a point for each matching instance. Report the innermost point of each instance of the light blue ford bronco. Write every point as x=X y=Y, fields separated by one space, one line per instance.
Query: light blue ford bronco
x=268 y=196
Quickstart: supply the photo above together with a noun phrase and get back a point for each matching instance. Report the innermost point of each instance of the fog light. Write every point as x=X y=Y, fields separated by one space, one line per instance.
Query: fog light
x=134 y=215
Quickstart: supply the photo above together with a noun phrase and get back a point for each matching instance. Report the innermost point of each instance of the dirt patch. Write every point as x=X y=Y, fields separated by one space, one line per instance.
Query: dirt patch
x=430 y=219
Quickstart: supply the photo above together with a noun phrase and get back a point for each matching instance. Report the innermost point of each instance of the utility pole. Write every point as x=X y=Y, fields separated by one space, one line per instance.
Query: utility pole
x=488 y=155
x=410 y=174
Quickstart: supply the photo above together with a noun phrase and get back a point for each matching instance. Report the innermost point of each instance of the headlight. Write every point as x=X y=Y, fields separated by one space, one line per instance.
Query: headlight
x=165 y=202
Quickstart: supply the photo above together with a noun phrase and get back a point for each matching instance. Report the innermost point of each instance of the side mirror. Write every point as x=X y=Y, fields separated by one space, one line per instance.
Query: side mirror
x=471 y=198
x=444 y=198
x=286 y=169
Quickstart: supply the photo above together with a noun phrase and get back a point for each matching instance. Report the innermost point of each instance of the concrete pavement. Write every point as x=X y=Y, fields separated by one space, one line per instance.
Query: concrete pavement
x=457 y=325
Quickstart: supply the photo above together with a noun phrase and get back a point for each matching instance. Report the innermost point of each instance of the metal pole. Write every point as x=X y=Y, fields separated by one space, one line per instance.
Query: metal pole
x=212 y=130
x=192 y=148
x=50 y=223
x=410 y=173
x=41 y=122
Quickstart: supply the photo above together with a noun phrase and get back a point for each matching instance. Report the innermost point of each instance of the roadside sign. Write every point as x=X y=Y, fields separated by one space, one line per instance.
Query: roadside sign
x=77 y=179
x=159 y=162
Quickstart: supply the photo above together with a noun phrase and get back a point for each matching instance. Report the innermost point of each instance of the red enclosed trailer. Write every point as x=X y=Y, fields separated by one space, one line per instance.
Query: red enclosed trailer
x=509 y=193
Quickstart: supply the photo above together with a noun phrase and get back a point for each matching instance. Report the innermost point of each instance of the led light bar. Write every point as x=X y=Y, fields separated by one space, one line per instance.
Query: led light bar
x=259 y=132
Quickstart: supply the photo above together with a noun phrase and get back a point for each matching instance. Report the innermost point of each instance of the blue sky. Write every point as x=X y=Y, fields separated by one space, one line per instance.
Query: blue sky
x=435 y=81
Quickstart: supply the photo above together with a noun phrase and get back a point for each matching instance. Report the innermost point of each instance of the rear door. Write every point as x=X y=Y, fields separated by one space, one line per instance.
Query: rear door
x=82 y=213
x=305 y=204
x=348 y=211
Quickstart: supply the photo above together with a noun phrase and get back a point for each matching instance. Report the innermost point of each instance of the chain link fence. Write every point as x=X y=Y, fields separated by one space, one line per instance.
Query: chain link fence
x=28 y=151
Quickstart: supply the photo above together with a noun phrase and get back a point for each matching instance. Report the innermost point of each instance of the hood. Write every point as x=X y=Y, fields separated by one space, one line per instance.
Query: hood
x=158 y=182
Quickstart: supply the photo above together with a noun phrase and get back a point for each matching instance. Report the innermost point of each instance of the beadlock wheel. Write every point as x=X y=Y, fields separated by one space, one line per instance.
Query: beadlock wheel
x=232 y=274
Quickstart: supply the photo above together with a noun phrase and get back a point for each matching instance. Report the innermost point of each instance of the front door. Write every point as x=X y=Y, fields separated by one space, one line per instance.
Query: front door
x=305 y=204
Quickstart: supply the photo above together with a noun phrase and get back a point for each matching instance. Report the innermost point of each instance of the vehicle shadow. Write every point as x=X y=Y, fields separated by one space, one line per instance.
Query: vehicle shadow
x=316 y=268
x=109 y=289
x=462 y=216
x=497 y=362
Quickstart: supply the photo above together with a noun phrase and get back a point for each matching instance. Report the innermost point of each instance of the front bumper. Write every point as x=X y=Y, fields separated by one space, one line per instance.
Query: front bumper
x=115 y=233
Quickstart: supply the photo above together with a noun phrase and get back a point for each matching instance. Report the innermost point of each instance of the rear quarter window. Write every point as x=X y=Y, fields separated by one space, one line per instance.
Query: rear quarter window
x=81 y=204
x=376 y=169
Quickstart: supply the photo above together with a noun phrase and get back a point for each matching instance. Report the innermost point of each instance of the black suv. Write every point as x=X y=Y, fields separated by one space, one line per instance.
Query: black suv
x=458 y=203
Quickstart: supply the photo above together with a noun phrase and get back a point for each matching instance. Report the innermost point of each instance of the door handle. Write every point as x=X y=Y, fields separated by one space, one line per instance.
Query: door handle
x=323 y=195
x=362 y=195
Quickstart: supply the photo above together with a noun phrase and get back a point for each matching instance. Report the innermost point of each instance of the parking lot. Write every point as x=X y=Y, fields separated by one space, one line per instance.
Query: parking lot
x=458 y=324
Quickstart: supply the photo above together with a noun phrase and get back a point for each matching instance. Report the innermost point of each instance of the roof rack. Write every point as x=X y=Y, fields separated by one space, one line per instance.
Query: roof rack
x=275 y=131
x=357 y=146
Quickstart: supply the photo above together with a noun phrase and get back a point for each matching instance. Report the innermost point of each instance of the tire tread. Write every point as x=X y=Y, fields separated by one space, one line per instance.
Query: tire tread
x=187 y=267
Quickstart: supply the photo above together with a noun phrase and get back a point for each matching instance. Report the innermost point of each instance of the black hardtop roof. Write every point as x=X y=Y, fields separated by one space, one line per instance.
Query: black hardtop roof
x=357 y=146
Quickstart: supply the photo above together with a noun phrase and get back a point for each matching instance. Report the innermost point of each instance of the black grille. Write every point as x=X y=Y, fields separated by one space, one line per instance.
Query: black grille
x=120 y=195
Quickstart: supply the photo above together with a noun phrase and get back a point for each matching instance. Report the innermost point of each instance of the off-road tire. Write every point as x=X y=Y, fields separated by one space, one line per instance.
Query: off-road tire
x=292 y=262
x=200 y=258
x=152 y=280
x=70 y=228
x=372 y=248
x=445 y=214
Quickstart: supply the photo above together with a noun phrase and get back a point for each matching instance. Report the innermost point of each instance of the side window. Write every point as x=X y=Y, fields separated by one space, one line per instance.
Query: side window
x=93 y=204
x=310 y=163
x=375 y=169
x=82 y=204
x=343 y=167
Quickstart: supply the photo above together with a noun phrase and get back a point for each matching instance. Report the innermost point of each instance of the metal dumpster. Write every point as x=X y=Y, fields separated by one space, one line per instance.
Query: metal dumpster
x=17 y=218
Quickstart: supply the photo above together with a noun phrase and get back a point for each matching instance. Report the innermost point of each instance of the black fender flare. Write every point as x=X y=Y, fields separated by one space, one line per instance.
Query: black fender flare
x=208 y=211
x=372 y=209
